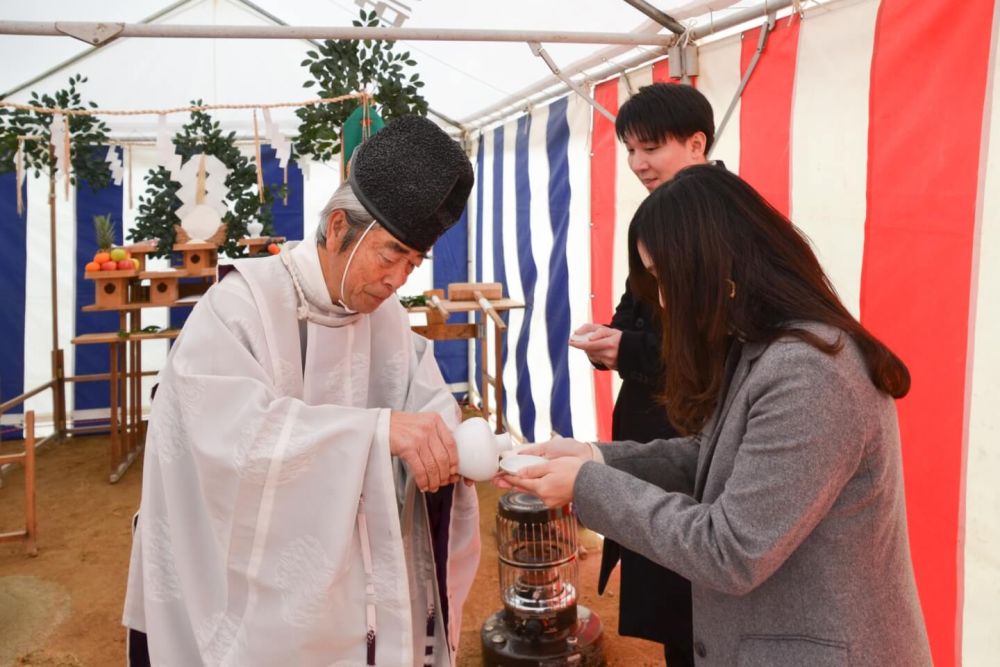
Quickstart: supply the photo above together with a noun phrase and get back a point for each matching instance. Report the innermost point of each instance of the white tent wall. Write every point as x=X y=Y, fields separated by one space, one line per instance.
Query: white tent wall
x=980 y=638
x=830 y=150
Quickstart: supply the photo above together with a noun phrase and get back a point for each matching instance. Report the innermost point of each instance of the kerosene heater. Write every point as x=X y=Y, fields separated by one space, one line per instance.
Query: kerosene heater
x=540 y=623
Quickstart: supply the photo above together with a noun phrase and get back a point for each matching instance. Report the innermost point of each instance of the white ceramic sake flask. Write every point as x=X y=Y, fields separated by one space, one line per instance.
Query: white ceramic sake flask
x=479 y=449
x=254 y=228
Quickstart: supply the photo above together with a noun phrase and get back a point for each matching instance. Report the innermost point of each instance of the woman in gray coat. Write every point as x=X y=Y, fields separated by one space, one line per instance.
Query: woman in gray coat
x=784 y=503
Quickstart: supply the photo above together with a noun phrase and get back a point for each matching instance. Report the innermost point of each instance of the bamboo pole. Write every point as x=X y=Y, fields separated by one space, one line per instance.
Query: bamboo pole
x=59 y=388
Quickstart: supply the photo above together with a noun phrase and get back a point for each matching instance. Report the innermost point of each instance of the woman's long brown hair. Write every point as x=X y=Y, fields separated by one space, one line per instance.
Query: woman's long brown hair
x=708 y=233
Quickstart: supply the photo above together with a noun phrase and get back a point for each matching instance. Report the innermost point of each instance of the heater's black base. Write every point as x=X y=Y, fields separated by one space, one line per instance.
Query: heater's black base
x=505 y=646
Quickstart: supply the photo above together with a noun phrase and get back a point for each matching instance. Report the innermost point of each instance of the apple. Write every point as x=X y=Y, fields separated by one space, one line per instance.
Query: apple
x=109 y=266
x=126 y=265
x=118 y=254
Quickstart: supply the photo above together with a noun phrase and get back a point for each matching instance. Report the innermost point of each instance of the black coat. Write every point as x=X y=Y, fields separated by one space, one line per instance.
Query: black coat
x=655 y=602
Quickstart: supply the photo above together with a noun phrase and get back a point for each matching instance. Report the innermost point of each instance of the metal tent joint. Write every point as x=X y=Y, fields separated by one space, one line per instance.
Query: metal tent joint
x=96 y=34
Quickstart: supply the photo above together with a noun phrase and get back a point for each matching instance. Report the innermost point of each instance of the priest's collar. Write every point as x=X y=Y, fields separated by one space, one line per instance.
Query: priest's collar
x=314 y=303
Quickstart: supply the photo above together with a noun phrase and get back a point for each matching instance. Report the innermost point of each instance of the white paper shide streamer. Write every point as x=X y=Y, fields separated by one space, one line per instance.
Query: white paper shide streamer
x=59 y=134
x=202 y=193
x=115 y=165
x=281 y=145
x=165 y=153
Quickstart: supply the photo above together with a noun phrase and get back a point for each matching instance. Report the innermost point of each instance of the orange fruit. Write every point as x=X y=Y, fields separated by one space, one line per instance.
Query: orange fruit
x=273 y=248
x=102 y=257
x=92 y=266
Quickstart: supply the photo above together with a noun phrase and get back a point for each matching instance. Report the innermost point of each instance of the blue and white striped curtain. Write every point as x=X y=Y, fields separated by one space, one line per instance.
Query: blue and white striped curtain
x=531 y=233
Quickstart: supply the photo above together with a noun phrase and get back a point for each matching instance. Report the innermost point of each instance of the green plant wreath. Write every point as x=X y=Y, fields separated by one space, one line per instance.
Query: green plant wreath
x=157 y=207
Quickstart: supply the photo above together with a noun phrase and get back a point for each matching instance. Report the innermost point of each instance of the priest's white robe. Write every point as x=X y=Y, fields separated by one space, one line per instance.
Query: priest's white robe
x=267 y=439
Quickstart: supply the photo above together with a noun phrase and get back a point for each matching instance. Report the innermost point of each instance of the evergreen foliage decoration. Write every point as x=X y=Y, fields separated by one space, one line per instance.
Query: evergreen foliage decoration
x=203 y=135
x=88 y=133
x=341 y=67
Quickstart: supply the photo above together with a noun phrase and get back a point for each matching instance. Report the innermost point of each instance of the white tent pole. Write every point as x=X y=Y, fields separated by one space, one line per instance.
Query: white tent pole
x=62 y=28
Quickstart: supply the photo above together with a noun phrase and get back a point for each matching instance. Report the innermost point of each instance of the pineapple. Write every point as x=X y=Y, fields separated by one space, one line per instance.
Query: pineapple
x=105 y=231
x=108 y=256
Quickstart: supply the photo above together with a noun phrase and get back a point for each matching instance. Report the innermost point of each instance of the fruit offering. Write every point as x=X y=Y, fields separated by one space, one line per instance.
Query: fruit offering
x=273 y=248
x=109 y=257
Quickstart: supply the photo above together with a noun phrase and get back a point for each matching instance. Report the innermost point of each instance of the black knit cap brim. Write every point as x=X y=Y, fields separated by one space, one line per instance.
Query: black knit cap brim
x=414 y=180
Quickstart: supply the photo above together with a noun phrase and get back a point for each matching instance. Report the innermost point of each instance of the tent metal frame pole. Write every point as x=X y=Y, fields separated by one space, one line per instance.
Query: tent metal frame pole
x=600 y=66
x=664 y=19
x=64 y=28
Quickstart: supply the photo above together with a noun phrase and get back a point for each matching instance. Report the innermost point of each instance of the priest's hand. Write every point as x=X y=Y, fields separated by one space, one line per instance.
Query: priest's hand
x=551 y=481
x=426 y=445
x=599 y=342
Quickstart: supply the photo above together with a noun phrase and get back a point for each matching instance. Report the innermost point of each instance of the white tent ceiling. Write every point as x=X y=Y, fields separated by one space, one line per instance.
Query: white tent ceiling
x=462 y=78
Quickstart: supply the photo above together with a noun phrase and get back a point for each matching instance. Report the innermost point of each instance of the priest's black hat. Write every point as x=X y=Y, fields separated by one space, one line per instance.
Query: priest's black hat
x=413 y=178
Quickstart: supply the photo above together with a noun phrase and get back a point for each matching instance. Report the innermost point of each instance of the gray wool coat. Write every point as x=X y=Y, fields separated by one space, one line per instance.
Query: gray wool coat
x=786 y=513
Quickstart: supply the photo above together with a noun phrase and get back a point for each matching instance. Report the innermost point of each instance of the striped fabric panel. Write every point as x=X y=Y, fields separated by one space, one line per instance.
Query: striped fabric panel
x=557 y=299
x=528 y=275
x=541 y=245
x=479 y=233
x=915 y=286
x=512 y=274
x=12 y=301
x=288 y=218
x=765 y=115
x=602 y=237
x=584 y=419
x=497 y=239
x=449 y=265
x=830 y=151
x=93 y=358
x=718 y=79
x=980 y=639
x=38 y=291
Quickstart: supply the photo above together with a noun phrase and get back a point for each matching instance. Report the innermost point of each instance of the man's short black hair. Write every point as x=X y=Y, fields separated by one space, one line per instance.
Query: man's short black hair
x=664 y=111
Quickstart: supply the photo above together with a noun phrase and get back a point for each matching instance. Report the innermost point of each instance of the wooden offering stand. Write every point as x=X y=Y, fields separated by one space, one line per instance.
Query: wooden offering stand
x=111 y=288
x=255 y=245
x=200 y=258
x=486 y=299
x=126 y=293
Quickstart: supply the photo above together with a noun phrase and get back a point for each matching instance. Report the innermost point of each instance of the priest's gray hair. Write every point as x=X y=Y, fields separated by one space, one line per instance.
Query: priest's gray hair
x=358 y=217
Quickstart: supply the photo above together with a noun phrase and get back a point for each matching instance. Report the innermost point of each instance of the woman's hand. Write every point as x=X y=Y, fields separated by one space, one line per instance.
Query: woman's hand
x=555 y=448
x=552 y=481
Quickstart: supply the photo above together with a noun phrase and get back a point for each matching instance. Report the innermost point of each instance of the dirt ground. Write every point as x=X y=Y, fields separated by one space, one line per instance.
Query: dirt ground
x=64 y=606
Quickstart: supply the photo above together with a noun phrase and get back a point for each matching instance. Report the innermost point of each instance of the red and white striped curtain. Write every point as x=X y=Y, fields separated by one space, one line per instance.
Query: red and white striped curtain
x=870 y=124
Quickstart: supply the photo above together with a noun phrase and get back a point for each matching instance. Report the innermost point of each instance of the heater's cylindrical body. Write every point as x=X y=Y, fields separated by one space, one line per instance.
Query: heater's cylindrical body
x=541 y=623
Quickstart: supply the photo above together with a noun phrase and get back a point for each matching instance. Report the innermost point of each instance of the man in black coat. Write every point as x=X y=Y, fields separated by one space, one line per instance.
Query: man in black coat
x=665 y=127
